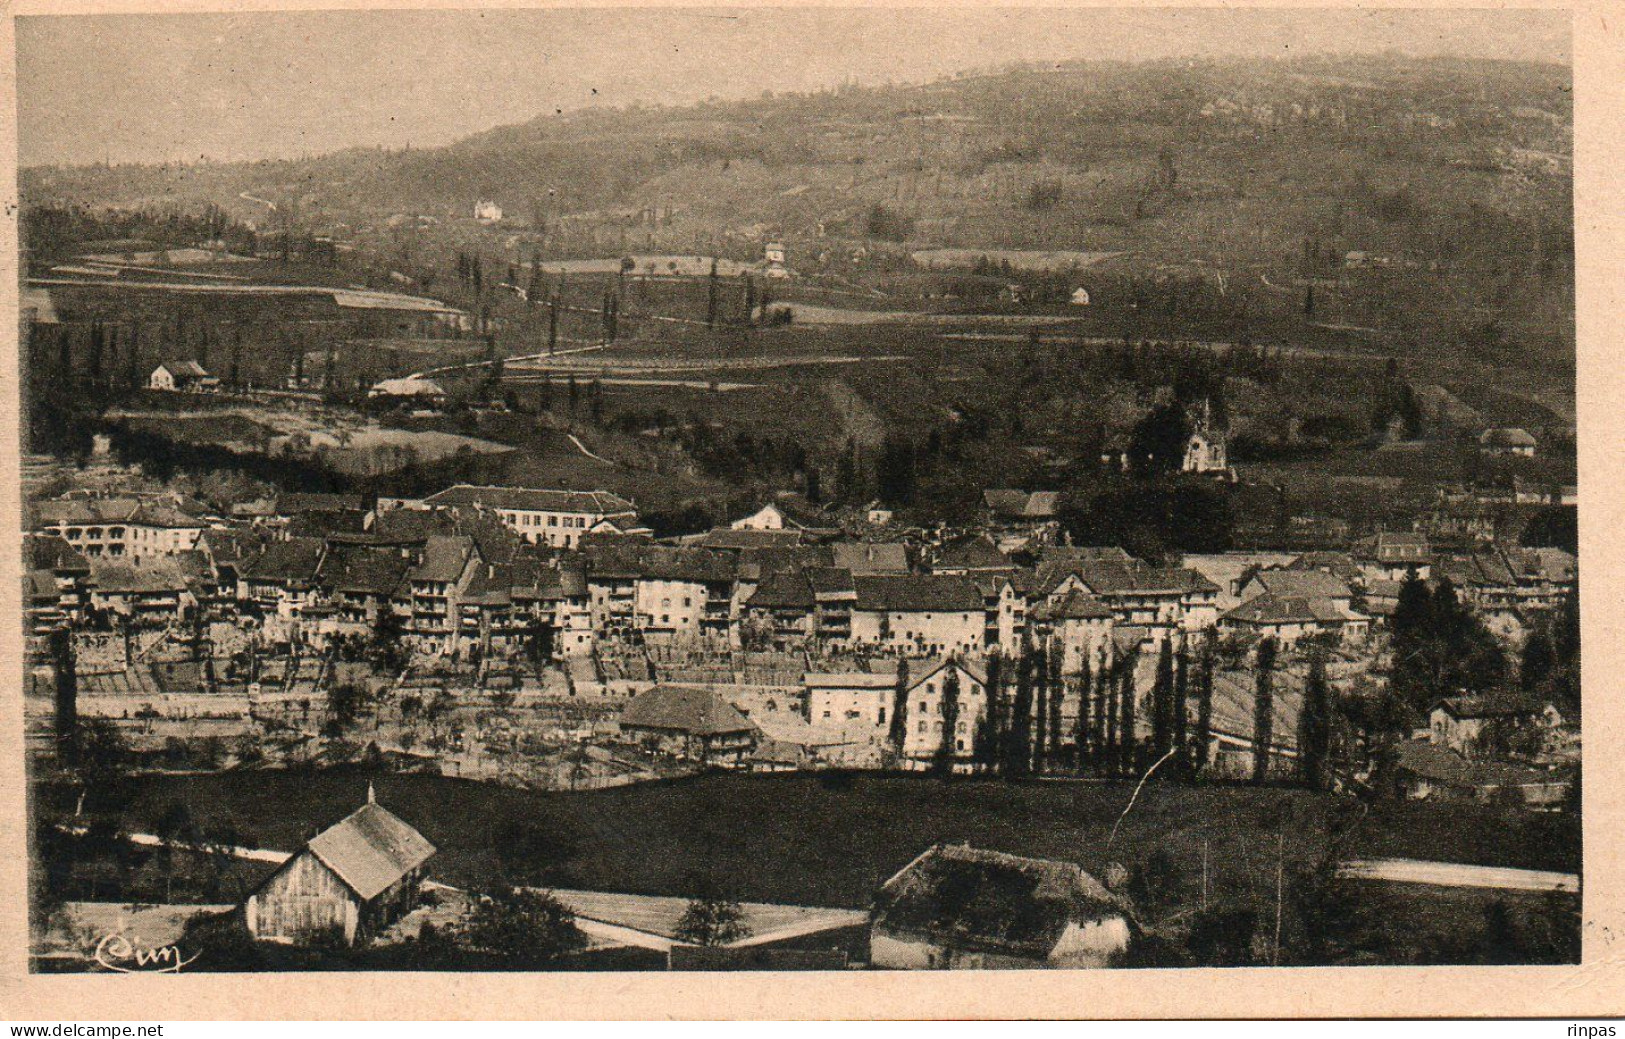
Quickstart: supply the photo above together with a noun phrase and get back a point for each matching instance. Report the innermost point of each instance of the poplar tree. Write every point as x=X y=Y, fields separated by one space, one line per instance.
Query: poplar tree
x=1204 y=706
x=1041 y=697
x=1126 y=725
x=1019 y=738
x=1264 y=710
x=1162 y=696
x=948 y=747
x=898 y=733
x=1315 y=724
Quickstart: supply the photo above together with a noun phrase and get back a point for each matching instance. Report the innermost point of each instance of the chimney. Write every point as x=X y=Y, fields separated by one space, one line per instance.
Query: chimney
x=372 y=798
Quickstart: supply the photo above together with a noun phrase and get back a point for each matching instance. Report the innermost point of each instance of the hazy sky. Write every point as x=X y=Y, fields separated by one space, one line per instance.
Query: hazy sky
x=155 y=87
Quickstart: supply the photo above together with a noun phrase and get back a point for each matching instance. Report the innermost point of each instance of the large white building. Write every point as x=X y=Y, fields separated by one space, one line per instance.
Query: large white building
x=554 y=518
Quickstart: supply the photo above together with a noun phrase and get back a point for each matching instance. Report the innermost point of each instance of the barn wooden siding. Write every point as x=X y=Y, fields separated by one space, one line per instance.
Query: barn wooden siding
x=303 y=901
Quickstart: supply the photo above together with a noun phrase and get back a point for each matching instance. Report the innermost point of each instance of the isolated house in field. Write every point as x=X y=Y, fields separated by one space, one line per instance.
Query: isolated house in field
x=421 y=391
x=1469 y=724
x=182 y=377
x=1509 y=441
x=350 y=882
x=962 y=908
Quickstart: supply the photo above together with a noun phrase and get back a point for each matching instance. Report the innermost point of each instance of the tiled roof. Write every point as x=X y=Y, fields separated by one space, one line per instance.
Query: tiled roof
x=295 y=559
x=971 y=553
x=917 y=593
x=867 y=559
x=1492 y=706
x=443 y=559
x=295 y=502
x=48 y=552
x=1015 y=504
x=698 y=712
x=1076 y=605
x=1290 y=609
x=1303 y=584
x=725 y=537
x=783 y=591
x=528 y=499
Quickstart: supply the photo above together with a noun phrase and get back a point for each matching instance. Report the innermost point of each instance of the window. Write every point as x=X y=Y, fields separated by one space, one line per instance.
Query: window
x=924 y=707
x=826 y=714
x=959 y=744
x=882 y=718
x=924 y=727
x=552 y=521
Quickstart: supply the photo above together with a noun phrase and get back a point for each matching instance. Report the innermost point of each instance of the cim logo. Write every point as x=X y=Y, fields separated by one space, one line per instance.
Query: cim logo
x=125 y=955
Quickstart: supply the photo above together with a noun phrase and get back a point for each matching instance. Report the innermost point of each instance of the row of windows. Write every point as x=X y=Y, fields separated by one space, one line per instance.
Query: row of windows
x=532 y=519
x=925 y=726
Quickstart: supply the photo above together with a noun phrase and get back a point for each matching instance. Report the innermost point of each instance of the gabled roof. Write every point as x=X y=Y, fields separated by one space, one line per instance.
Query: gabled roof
x=185 y=370
x=1511 y=436
x=157 y=514
x=128 y=579
x=1340 y=564
x=1290 y=609
x=866 y=559
x=1076 y=605
x=532 y=499
x=783 y=591
x=295 y=502
x=831 y=582
x=444 y=557
x=1396 y=547
x=1310 y=584
x=698 y=712
x=967 y=898
x=358 y=570
x=728 y=538
x=1443 y=765
x=371 y=849
x=1491 y=706
x=1013 y=504
x=921 y=670
x=295 y=559
x=917 y=593
x=48 y=552
x=974 y=552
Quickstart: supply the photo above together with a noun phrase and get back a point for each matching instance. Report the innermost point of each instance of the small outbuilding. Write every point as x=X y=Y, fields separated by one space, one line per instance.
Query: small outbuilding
x=182 y=377
x=351 y=881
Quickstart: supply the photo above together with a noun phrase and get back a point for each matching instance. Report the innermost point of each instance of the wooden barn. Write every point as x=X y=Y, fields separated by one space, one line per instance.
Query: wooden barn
x=350 y=882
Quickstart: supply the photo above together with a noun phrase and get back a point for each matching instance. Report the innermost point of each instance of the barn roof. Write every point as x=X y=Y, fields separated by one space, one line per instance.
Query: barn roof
x=970 y=898
x=370 y=849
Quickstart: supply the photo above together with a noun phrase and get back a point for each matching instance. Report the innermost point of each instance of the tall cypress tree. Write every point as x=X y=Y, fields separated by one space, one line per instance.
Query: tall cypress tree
x=1019 y=736
x=1111 y=745
x=1126 y=724
x=1081 y=730
x=1315 y=724
x=1041 y=698
x=1182 y=666
x=898 y=733
x=948 y=749
x=1057 y=699
x=1264 y=710
x=1162 y=697
x=1204 y=706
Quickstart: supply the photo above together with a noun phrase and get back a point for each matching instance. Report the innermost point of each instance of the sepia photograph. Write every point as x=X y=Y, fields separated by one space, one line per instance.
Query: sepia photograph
x=798 y=490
